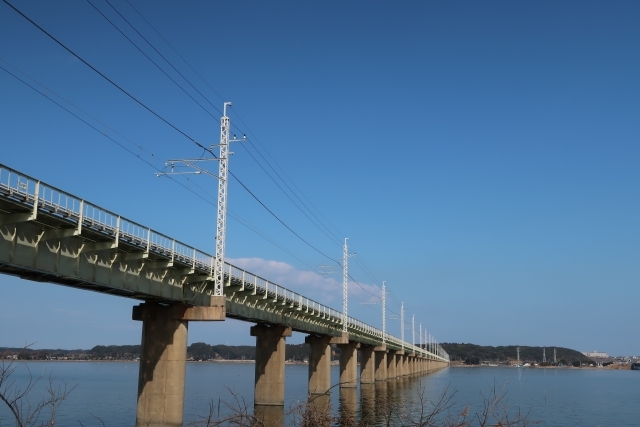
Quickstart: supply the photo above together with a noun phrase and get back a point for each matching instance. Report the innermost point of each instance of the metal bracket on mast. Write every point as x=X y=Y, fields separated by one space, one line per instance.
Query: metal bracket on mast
x=223 y=172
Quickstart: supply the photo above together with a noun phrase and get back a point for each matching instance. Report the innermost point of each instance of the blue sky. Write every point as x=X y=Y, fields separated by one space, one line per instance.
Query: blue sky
x=482 y=158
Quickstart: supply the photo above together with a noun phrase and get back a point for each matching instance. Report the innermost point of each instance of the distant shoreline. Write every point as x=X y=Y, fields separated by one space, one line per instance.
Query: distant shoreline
x=137 y=361
x=618 y=367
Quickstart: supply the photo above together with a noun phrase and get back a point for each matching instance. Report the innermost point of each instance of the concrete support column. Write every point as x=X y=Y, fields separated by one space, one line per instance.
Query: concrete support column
x=391 y=364
x=163 y=359
x=405 y=365
x=163 y=368
x=381 y=365
x=399 y=364
x=367 y=364
x=349 y=364
x=270 y=348
x=319 y=363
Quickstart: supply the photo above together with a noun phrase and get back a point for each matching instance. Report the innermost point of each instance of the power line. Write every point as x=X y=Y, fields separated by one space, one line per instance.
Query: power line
x=176 y=52
x=336 y=239
x=201 y=94
x=279 y=220
x=103 y=76
x=184 y=134
x=148 y=57
x=232 y=214
x=162 y=56
x=362 y=287
x=285 y=193
x=176 y=83
x=164 y=120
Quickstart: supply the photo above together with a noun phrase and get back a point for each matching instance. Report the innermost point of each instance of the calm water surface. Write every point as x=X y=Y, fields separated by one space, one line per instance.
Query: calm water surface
x=556 y=397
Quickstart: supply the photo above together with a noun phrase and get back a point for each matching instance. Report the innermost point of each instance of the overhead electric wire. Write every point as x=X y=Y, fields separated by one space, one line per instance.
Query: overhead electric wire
x=337 y=240
x=74 y=114
x=240 y=118
x=162 y=56
x=279 y=220
x=362 y=287
x=201 y=94
x=235 y=216
x=361 y=262
x=285 y=193
x=149 y=58
x=48 y=90
x=240 y=182
x=231 y=213
x=164 y=120
x=102 y=75
x=176 y=52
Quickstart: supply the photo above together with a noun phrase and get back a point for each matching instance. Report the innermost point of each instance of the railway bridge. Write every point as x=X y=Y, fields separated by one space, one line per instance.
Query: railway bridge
x=49 y=235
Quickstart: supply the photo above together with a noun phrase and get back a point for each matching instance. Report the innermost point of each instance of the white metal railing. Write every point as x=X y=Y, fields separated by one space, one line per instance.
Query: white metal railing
x=31 y=192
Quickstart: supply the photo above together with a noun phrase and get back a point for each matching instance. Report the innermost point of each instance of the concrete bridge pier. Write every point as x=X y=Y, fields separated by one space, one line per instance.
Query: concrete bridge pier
x=399 y=364
x=270 y=357
x=349 y=364
x=405 y=365
x=319 y=363
x=380 y=354
x=391 y=365
x=163 y=359
x=367 y=364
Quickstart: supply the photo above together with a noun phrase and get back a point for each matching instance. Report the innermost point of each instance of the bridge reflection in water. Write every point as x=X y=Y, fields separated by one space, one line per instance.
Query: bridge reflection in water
x=381 y=404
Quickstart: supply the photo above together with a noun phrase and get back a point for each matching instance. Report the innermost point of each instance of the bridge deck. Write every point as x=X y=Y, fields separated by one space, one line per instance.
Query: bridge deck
x=49 y=235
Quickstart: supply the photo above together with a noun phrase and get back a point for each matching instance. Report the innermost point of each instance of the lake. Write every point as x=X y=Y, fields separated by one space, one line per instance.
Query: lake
x=555 y=397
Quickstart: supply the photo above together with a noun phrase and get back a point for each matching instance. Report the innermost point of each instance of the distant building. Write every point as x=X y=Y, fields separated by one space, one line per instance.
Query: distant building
x=596 y=353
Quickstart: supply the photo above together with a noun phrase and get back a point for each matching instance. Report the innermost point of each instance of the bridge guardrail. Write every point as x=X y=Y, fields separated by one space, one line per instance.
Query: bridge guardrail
x=31 y=192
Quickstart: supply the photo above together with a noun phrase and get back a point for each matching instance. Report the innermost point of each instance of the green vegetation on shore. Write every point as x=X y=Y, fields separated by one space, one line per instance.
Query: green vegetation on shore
x=467 y=353
x=196 y=351
x=475 y=354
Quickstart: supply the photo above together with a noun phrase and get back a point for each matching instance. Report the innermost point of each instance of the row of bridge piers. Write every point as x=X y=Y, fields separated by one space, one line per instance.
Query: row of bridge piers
x=164 y=354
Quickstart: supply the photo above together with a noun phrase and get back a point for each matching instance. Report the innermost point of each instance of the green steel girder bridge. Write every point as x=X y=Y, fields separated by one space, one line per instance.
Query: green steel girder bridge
x=49 y=235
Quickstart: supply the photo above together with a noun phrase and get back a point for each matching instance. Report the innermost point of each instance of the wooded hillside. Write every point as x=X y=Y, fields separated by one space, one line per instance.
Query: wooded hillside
x=474 y=354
